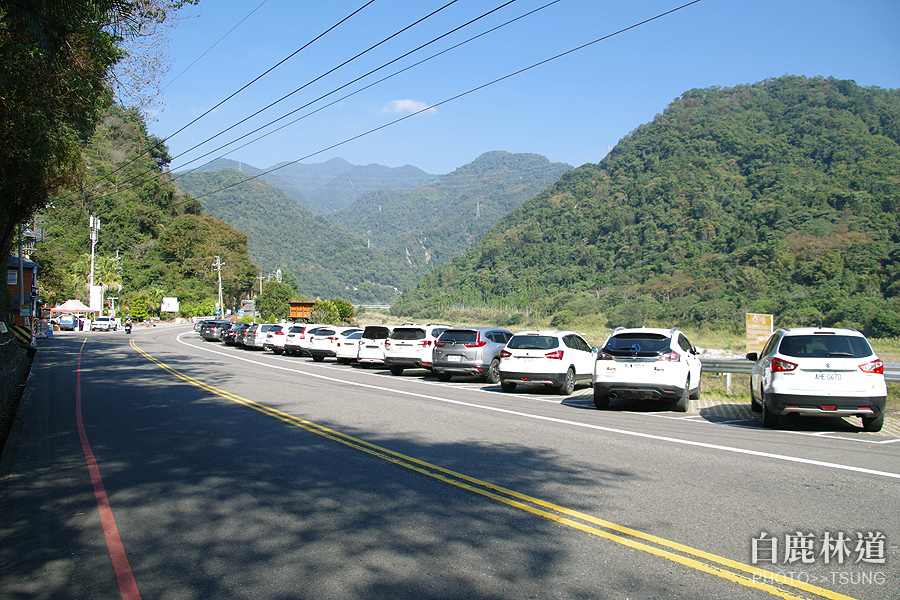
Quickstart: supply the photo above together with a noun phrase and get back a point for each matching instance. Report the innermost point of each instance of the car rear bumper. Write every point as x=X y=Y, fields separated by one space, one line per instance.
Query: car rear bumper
x=642 y=391
x=461 y=368
x=825 y=406
x=406 y=362
x=556 y=379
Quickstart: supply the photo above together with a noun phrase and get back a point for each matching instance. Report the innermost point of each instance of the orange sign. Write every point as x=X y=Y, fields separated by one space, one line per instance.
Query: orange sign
x=759 y=328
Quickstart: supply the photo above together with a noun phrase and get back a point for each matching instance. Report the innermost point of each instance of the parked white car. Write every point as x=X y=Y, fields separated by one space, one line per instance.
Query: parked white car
x=818 y=372
x=561 y=359
x=323 y=343
x=296 y=341
x=348 y=348
x=371 y=345
x=647 y=364
x=275 y=337
x=411 y=347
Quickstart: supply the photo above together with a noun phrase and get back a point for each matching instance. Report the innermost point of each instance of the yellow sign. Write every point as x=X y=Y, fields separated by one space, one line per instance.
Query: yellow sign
x=759 y=328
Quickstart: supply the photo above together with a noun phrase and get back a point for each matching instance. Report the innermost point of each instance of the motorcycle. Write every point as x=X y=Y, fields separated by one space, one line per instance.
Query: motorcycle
x=127 y=327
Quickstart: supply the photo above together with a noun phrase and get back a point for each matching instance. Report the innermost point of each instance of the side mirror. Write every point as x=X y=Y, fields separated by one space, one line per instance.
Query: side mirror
x=752 y=356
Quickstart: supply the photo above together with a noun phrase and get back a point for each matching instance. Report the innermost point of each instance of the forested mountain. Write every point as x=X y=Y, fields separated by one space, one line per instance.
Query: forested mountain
x=427 y=225
x=153 y=241
x=325 y=187
x=778 y=197
x=327 y=260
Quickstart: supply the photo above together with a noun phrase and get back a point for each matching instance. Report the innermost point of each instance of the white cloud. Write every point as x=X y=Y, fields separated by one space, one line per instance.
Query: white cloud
x=406 y=106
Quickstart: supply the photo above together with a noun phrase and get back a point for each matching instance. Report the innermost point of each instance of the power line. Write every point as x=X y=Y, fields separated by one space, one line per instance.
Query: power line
x=456 y=97
x=196 y=60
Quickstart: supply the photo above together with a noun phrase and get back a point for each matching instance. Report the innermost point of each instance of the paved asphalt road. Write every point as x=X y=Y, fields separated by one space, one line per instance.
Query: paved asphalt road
x=159 y=466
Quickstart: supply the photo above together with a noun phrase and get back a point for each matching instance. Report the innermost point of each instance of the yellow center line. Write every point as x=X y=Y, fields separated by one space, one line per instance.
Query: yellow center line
x=757 y=578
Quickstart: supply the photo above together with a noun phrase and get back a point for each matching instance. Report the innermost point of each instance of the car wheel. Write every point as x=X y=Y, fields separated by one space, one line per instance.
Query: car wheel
x=508 y=386
x=695 y=395
x=343 y=361
x=444 y=376
x=601 y=400
x=769 y=419
x=278 y=351
x=755 y=406
x=493 y=374
x=873 y=424
x=568 y=385
x=318 y=358
x=396 y=370
x=684 y=402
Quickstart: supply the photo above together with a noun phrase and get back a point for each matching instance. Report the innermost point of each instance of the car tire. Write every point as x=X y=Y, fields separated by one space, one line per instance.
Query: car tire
x=684 y=402
x=318 y=358
x=601 y=400
x=695 y=395
x=755 y=406
x=493 y=374
x=396 y=370
x=568 y=385
x=508 y=386
x=343 y=361
x=278 y=351
x=873 y=424
x=444 y=376
x=769 y=419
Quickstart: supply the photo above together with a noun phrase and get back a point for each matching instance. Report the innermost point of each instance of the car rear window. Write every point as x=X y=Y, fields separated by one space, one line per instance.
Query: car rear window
x=324 y=331
x=460 y=336
x=533 y=342
x=376 y=333
x=637 y=344
x=408 y=334
x=825 y=346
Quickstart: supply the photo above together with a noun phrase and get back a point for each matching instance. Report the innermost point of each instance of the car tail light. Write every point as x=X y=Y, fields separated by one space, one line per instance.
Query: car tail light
x=505 y=353
x=555 y=355
x=829 y=407
x=387 y=343
x=278 y=333
x=605 y=356
x=876 y=366
x=779 y=365
x=478 y=343
x=425 y=343
x=440 y=344
x=670 y=356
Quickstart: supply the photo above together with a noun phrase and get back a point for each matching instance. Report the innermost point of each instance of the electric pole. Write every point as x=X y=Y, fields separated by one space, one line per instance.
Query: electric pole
x=218 y=265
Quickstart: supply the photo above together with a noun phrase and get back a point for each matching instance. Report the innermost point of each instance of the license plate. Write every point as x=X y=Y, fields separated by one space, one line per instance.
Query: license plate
x=828 y=376
x=454 y=358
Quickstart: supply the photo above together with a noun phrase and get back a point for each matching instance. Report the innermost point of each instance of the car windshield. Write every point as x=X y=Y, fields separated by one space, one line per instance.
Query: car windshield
x=825 y=346
x=533 y=342
x=408 y=334
x=460 y=336
x=637 y=344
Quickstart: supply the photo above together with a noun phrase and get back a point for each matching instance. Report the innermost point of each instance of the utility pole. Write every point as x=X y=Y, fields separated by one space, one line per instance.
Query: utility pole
x=218 y=265
x=260 y=277
x=94 y=223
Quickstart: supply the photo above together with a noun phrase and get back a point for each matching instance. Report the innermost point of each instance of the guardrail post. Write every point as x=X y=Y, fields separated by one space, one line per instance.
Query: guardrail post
x=727 y=384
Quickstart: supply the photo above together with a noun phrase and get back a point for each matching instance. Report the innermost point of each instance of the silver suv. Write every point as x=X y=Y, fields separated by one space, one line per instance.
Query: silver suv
x=649 y=364
x=818 y=372
x=472 y=351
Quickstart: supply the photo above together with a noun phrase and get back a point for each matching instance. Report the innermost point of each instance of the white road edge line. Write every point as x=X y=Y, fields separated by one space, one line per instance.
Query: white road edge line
x=770 y=455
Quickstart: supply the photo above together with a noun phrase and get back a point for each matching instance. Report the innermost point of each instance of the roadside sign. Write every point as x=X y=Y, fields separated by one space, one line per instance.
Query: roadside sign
x=759 y=329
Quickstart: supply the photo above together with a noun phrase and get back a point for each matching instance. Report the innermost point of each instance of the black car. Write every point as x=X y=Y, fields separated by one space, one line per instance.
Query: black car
x=211 y=331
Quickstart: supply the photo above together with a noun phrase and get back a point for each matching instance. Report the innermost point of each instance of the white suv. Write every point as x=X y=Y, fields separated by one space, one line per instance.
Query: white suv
x=651 y=364
x=411 y=347
x=818 y=372
x=105 y=324
x=561 y=359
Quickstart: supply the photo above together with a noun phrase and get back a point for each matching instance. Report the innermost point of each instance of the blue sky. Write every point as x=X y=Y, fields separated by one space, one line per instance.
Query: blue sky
x=570 y=110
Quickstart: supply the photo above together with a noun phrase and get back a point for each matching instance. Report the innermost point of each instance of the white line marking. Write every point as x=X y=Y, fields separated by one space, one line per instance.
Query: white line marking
x=662 y=438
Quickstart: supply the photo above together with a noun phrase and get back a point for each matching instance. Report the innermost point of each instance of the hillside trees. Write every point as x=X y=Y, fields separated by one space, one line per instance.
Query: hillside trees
x=775 y=197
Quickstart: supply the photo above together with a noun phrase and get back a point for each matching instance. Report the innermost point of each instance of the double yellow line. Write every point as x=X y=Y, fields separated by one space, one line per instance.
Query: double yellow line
x=739 y=573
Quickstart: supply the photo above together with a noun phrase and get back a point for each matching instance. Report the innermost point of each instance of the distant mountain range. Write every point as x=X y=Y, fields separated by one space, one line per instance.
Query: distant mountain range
x=326 y=187
x=382 y=239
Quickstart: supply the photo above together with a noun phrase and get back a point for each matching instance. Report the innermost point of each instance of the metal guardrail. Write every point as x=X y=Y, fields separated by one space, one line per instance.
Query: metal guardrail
x=742 y=365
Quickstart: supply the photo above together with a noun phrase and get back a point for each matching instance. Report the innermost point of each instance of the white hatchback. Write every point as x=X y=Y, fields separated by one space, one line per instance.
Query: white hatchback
x=371 y=345
x=819 y=372
x=411 y=347
x=561 y=359
x=647 y=364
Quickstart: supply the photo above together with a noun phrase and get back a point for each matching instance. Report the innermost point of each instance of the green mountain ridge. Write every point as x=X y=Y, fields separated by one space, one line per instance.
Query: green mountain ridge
x=779 y=197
